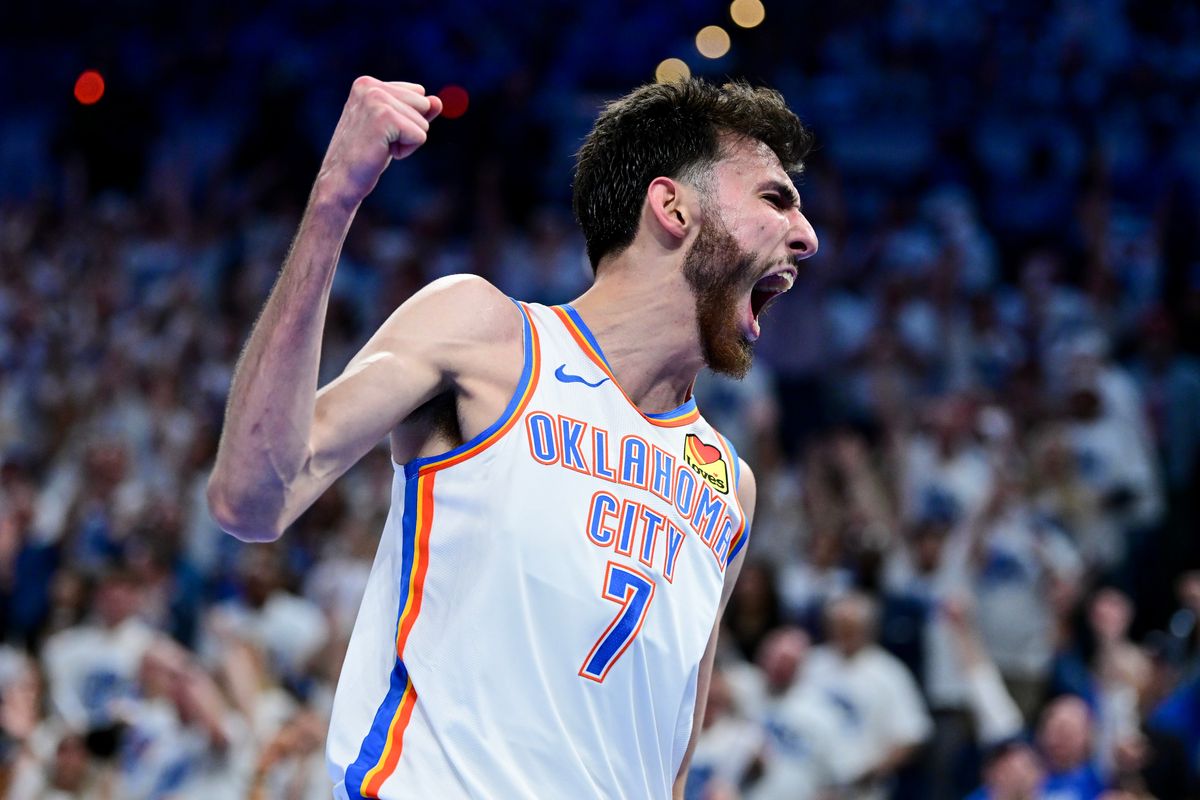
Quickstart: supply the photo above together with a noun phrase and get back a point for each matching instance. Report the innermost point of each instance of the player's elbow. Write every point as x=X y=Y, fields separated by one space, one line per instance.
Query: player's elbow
x=239 y=515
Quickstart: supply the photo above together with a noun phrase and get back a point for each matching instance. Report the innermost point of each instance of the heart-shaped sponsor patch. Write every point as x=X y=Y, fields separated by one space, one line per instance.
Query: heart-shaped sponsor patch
x=706 y=460
x=699 y=451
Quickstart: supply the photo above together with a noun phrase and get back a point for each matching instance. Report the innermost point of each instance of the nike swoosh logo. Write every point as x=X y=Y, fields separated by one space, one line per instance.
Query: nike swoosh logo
x=565 y=378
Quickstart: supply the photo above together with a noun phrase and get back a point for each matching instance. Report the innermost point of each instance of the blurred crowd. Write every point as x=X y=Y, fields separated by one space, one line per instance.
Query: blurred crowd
x=975 y=421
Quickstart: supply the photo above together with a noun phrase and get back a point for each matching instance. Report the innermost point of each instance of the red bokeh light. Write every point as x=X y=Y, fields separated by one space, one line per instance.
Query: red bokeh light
x=89 y=87
x=454 y=101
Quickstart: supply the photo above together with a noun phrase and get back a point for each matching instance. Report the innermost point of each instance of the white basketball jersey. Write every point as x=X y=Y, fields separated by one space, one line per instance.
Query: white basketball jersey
x=542 y=596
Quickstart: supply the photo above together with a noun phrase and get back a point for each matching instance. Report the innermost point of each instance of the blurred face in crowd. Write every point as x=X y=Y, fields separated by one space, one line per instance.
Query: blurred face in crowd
x=70 y=764
x=781 y=657
x=927 y=542
x=20 y=696
x=106 y=464
x=117 y=599
x=720 y=699
x=754 y=590
x=1055 y=461
x=1110 y=615
x=1013 y=775
x=1012 y=487
x=824 y=549
x=68 y=596
x=1038 y=275
x=951 y=420
x=1064 y=735
x=850 y=623
x=261 y=574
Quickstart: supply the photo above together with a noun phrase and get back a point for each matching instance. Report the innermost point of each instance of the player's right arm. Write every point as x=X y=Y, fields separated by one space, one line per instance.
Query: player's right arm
x=281 y=444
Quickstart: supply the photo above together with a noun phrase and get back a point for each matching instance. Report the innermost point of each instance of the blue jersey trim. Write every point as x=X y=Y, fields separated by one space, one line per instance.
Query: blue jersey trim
x=413 y=467
x=686 y=408
x=586 y=331
x=737 y=482
x=376 y=739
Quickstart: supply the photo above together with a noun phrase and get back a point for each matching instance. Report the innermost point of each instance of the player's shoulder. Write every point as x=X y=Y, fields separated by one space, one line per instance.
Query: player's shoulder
x=461 y=286
x=747 y=488
x=745 y=484
x=460 y=309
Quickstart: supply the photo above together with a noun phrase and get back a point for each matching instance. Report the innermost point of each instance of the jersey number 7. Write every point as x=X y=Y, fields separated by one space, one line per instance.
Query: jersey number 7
x=633 y=591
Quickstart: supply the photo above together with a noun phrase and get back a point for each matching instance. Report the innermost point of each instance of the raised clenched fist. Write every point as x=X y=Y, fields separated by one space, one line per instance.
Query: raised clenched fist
x=382 y=120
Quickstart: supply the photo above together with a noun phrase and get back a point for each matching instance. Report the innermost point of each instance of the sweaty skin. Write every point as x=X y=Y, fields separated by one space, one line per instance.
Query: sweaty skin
x=285 y=441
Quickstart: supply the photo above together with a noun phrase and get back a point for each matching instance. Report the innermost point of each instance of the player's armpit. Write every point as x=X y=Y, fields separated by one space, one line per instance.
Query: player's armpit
x=458 y=333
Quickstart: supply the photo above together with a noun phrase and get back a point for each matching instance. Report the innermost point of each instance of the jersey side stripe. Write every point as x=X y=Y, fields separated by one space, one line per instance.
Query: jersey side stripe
x=684 y=415
x=743 y=532
x=374 y=779
x=516 y=404
x=380 y=750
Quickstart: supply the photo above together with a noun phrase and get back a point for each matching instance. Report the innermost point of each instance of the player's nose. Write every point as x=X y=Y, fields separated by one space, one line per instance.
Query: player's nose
x=802 y=239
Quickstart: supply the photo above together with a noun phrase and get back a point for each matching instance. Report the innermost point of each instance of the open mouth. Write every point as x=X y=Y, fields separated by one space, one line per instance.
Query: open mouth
x=768 y=289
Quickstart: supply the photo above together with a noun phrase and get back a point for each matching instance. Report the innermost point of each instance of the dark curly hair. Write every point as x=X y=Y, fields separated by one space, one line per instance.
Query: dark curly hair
x=673 y=130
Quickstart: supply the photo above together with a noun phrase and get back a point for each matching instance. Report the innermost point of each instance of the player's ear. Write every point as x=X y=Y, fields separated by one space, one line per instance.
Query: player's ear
x=669 y=205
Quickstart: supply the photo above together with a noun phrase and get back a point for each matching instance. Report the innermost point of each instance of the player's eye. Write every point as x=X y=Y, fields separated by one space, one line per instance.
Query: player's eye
x=777 y=200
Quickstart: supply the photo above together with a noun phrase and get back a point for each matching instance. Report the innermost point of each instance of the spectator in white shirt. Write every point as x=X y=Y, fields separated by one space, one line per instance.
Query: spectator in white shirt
x=1025 y=573
x=93 y=666
x=802 y=754
x=944 y=465
x=884 y=718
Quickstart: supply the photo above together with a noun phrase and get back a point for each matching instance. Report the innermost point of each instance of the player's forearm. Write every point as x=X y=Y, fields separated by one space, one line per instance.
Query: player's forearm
x=264 y=446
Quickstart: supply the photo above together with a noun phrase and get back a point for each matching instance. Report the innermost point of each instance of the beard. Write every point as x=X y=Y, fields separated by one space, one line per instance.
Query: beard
x=716 y=269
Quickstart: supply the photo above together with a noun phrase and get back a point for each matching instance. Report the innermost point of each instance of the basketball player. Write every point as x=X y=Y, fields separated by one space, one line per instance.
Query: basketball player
x=541 y=617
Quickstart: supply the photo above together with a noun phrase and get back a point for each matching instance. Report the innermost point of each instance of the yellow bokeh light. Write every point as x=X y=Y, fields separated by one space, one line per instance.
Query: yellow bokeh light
x=747 y=13
x=712 y=41
x=671 y=69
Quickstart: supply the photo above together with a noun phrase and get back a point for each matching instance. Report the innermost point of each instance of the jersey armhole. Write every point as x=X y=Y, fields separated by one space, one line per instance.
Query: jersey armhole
x=526 y=383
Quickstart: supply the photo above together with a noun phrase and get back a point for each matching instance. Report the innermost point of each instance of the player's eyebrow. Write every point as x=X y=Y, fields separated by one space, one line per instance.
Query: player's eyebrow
x=784 y=189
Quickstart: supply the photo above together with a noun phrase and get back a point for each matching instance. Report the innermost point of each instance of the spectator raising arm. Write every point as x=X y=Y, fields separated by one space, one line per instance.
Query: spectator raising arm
x=997 y=717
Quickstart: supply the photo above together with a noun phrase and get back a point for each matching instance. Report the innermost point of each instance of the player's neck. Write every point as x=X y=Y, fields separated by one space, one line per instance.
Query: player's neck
x=645 y=321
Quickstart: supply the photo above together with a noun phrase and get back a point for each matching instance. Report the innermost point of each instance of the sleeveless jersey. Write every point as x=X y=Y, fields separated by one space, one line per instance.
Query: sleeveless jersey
x=542 y=596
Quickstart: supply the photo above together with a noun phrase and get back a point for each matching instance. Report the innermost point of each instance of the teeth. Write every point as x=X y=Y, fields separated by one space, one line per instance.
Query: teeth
x=776 y=283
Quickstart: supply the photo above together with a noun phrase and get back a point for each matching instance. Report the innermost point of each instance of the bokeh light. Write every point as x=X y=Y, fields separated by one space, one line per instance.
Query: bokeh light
x=89 y=87
x=747 y=13
x=454 y=101
x=671 y=69
x=712 y=41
